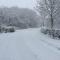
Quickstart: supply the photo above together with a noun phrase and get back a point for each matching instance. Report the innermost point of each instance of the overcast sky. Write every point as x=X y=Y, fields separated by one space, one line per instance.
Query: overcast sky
x=19 y=3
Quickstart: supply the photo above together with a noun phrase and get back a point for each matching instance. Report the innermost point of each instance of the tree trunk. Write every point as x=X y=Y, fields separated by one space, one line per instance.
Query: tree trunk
x=51 y=22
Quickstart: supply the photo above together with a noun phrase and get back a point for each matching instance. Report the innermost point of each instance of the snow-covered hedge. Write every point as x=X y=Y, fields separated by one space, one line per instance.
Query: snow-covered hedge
x=9 y=30
x=4 y=29
x=43 y=30
x=55 y=33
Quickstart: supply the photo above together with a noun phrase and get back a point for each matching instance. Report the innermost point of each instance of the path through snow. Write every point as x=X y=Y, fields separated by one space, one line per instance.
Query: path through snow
x=27 y=44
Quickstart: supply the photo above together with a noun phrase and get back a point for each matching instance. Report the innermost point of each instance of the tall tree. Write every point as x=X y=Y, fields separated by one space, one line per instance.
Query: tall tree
x=48 y=8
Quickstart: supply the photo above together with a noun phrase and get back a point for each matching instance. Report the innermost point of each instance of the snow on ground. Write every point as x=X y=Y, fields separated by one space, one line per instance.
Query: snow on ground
x=28 y=44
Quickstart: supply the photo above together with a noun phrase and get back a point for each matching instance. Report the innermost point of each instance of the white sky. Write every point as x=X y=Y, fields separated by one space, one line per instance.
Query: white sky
x=19 y=3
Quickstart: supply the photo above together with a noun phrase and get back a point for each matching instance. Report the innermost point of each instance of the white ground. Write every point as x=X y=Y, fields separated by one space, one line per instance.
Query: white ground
x=28 y=44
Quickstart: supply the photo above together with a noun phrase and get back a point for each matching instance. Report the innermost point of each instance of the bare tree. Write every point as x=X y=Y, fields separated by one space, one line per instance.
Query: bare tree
x=48 y=7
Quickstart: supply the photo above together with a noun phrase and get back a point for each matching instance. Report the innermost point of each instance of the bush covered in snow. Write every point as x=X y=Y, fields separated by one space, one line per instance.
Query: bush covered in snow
x=0 y=29
x=9 y=30
x=55 y=33
x=44 y=30
x=4 y=29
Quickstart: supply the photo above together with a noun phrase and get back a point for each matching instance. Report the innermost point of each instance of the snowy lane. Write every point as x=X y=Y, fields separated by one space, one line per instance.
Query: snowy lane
x=26 y=45
x=24 y=53
x=41 y=49
x=13 y=47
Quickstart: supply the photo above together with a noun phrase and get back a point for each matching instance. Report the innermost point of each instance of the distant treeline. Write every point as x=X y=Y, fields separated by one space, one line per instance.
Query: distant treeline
x=19 y=17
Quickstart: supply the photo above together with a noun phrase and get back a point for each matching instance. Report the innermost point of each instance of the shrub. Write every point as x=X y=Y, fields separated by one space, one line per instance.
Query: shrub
x=11 y=30
x=52 y=32
x=57 y=33
x=6 y=30
x=0 y=29
x=44 y=30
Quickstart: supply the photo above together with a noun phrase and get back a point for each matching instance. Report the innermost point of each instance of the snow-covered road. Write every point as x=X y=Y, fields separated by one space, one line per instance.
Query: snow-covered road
x=28 y=44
